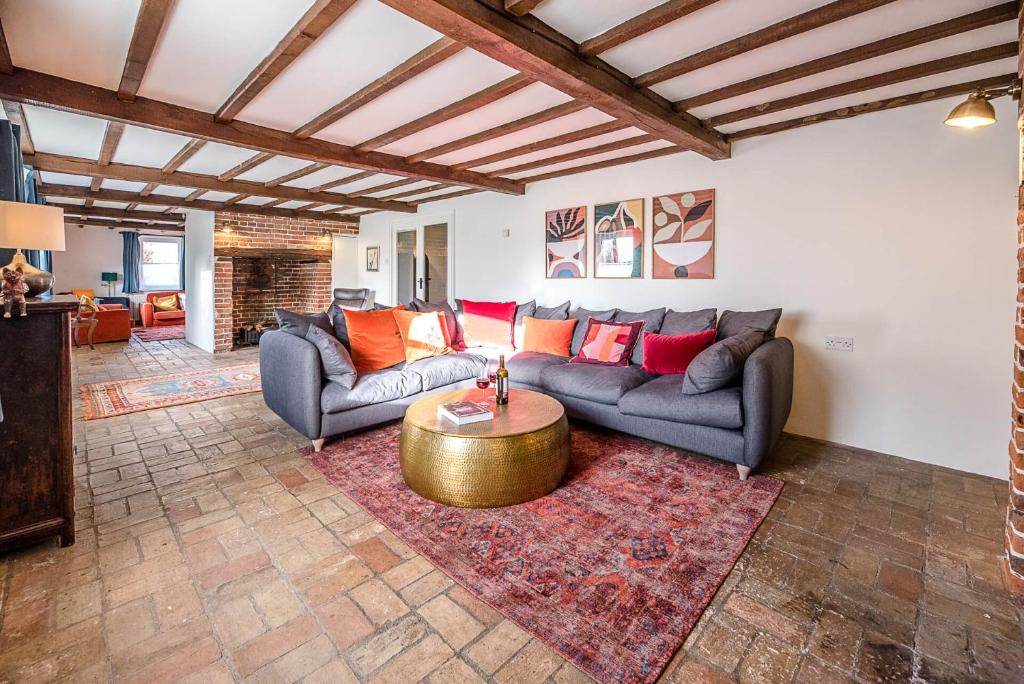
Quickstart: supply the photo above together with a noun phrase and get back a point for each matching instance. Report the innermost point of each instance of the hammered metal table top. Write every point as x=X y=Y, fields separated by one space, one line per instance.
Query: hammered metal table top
x=526 y=412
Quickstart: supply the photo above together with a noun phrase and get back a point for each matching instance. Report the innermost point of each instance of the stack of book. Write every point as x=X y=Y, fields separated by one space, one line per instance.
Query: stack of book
x=465 y=412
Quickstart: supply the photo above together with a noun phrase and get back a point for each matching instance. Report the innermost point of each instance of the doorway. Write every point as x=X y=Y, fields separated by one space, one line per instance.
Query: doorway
x=423 y=259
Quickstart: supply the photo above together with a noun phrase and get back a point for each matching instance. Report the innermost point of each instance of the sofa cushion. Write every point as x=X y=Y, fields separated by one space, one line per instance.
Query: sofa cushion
x=423 y=334
x=687 y=322
x=601 y=384
x=335 y=362
x=454 y=330
x=548 y=336
x=439 y=371
x=371 y=388
x=553 y=313
x=583 y=315
x=608 y=343
x=297 y=324
x=734 y=322
x=662 y=398
x=672 y=354
x=652 y=323
x=522 y=311
x=169 y=315
x=488 y=324
x=716 y=366
x=374 y=339
x=528 y=367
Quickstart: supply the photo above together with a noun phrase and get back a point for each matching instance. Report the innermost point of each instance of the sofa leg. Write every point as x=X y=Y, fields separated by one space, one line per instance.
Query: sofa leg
x=744 y=471
x=318 y=445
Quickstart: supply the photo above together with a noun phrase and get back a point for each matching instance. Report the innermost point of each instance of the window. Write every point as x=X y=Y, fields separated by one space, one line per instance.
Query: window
x=161 y=262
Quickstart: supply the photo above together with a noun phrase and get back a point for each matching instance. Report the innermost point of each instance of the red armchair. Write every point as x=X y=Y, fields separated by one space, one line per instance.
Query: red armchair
x=152 y=318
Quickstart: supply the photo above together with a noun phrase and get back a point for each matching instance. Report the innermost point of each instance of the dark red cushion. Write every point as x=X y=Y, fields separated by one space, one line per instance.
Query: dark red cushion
x=488 y=324
x=672 y=354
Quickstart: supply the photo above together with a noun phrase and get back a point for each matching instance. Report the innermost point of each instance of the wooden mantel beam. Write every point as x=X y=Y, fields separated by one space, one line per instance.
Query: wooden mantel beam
x=503 y=37
x=32 y=87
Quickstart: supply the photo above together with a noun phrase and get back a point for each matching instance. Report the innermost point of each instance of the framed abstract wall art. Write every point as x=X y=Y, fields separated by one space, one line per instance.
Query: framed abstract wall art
x=565 y=243
x=683 y=245
x=373 y=259
x=619 y=239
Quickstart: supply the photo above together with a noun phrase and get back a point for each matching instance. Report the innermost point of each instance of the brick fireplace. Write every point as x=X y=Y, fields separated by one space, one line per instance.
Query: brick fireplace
x=262 y=263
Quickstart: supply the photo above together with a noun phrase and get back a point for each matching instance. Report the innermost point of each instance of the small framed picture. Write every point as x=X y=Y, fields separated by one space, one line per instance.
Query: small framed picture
x=373 y=259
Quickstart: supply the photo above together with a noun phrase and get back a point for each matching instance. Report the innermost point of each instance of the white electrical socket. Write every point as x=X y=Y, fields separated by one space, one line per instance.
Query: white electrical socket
x=833 y=343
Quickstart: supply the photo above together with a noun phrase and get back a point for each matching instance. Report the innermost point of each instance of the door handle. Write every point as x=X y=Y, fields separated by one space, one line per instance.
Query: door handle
x=420 y=282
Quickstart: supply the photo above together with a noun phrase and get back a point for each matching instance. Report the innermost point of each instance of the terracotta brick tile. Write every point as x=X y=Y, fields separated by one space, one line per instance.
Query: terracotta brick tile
x=158 y=647
x=724 y=641
x=217 y=673
x=494 y=649
x=385 y=644
x=185 y=660
x=882 y=660
x=535 y=663
x=260 y=651
x=454 y=624
x=835 y=640
x=408 y=572
x=205 y=555
x=813 y=671
x=376 y=554
x=233 y=570
x=378 y=601
x=899 y=581
x=344 y=622
x=456 y=671
x=416 y=663
x=129 y=624
x=237 y=622
x=696 y=671
x=335 y=672
x=77 y=604
x=477 y=608
x=766 y=619
x=278 y=604
x=425 y=588
x=303 y=660
x=176 y=604
x=332 y=576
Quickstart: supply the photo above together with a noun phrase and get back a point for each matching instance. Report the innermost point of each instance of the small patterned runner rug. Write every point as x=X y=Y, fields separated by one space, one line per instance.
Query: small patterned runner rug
x=159 y=333
x=612 y=569
x=106 y=399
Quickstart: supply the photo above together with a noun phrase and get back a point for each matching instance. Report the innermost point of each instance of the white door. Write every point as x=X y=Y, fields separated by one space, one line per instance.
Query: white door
x=423 y=263
x=345 y=261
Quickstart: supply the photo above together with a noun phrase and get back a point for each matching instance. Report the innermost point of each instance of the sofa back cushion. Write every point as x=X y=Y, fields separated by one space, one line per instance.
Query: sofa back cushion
x=423 y=334
x=553 y=313
x=608 y=343
x=651 y=323
x=374 y=339
x=548 y=336
x=672 y=354
x=297 y=324
x=522 y=311
x=335 y=361
x=488 y=324
x=454 y=329
x=686 y=322
x=716 y=366
x=583 y=315
x=734 y=322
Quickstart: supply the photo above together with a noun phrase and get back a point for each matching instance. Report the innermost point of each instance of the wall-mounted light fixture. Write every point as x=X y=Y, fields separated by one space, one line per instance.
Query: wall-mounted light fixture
x=976 y=111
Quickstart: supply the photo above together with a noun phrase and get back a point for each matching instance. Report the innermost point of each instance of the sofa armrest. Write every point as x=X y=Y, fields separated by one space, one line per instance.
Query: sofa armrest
x=290 y=377
x=767 y=398
x=146 y=314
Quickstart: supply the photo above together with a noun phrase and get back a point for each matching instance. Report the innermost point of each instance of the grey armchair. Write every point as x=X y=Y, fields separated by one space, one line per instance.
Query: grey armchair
x=353 y=298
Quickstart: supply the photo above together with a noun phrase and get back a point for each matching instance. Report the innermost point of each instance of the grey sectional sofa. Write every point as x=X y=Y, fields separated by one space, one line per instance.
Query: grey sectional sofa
x=739 y=423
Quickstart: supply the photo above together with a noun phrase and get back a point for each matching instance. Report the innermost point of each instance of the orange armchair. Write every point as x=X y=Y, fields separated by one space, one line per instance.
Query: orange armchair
x=113 y=324
x=153 y=318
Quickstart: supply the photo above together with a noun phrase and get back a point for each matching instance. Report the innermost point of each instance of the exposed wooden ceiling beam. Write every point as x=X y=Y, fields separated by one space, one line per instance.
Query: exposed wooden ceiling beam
x=148 y=24
x=880 y=105
x=70 y=215
x=430 y=56
x=344 y=181
x=183 y=155
x=510 y=41
x=935 y=66
x=549 y=114
x=641 y=24
x=195 y=194
x=808 y=21
x=400 y=183
x=16 y=113
x=78 y=192
x=71 y=222
x=104 y=212
x=317 y=19
x=467 y=104
x=419 y=191
x=546 y=143
x=50 y=91
x=299 y=173
x=6 y=65
x=449 y=195
x=578 y=154
x=147 y=190
x=943 y=29
x=144 y=174
x=111 y=139
x=603 y=164
x=240 y=168
x=521 y=7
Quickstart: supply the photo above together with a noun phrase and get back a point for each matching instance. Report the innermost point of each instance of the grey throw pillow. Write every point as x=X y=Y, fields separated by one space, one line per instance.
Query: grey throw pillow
x=716 y=366
x=652 y=323
x=583 y=315
x=335 y=361
x=688 y=322
x=553 y=313
x=298 y=323
x=522 y=311
x=734 y=322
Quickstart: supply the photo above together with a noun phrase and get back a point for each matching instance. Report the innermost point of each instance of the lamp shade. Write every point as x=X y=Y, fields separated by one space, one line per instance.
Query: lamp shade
x=31 y=226
x=108 y=277
x=973 y=112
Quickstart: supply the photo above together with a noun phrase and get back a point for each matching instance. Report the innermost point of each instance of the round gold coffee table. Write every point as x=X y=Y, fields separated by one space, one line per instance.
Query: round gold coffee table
x=519 y=456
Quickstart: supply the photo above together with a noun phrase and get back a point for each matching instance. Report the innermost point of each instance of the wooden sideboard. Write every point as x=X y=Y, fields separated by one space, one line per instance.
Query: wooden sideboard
x=37 y=485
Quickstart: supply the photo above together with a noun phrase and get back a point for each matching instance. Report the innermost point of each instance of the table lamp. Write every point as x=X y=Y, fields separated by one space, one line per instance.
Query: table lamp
x=31 y=226
x=109 y=279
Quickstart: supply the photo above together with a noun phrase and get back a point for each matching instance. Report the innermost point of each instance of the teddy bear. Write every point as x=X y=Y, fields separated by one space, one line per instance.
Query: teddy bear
x=13 y=290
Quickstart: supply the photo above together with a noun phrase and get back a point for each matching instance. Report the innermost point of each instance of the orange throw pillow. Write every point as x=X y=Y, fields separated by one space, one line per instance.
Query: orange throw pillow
x=375 y=339
x=548 y=336
x=423 y=334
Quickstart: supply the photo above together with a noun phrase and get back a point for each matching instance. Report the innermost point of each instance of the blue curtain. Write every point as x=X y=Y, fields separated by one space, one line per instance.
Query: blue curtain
x=131 y=258
x=17 y=185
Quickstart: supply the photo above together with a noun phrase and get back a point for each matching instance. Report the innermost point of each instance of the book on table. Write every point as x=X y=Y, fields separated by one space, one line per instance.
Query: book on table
x=465 y=412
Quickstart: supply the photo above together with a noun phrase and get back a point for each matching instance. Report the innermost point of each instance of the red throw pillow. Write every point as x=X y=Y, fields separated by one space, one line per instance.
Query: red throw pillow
x=672 y=354
x=608 y=343
x=488 y=324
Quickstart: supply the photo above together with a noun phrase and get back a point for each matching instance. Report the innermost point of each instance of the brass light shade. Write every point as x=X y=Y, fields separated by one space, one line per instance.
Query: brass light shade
x=974 y=112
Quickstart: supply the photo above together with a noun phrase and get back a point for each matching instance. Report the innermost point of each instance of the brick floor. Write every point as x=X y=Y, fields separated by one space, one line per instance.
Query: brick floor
x=210 y=551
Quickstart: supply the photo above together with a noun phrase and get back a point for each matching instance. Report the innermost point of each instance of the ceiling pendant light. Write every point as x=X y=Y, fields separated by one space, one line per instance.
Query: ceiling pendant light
x=976 y=111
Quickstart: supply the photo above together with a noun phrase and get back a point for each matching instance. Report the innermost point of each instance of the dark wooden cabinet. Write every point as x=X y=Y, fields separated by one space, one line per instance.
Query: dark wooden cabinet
x=37 y=487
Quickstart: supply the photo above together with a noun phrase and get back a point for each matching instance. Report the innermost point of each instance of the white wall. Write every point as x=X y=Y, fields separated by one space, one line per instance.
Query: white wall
x=89 y=251
x=891 y=228
x=199 y=300
x=344 y=261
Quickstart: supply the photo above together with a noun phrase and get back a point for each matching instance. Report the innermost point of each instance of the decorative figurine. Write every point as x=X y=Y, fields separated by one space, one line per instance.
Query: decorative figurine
x=14 y=290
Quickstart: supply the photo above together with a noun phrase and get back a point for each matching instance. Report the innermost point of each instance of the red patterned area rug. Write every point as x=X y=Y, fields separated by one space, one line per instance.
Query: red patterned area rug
x=159 y=333
x=612 y=569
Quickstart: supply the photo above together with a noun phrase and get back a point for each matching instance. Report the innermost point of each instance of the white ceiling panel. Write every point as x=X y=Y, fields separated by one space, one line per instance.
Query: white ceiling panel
x=379 y=179
x=530 y=100
x=566 y=124
x=459 y=76
x=152 y=207
x=366 y=42
x=213 y=159
x=173 y=191
x=331 y=173
x=582 y=19
x=292 y=204
x=65 y=179
x=383 y=194
x=629 y=151
x=326 y=207
x=918 y=85
x=127 y=186
x=215 y=196
x=561 y=149
x=275 y=167
x=110 y=205
x=256 y=200
x=65 y=200
x=65 y=133
x=207 y=48
x=81 y=41
x=146 y=147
